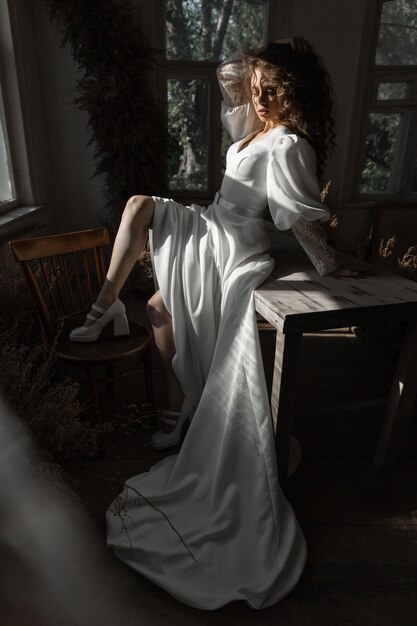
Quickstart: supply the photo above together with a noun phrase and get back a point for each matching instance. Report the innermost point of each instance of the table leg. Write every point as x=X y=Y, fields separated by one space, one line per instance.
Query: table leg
x=284 y=390
x=400 y=402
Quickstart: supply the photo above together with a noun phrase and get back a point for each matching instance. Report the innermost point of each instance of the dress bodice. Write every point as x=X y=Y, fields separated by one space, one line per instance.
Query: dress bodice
x=278 y=171
x=246 y=171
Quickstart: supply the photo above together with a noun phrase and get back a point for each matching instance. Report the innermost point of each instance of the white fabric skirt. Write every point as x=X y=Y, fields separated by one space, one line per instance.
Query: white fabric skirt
x=210 y=524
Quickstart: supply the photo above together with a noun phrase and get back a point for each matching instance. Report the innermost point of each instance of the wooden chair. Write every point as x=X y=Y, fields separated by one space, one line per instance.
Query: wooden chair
x=64 y=273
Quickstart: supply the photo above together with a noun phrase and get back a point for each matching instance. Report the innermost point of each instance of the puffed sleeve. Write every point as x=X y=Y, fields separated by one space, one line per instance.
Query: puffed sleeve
x=292 y=185
x=294 y=199
x=237 y=113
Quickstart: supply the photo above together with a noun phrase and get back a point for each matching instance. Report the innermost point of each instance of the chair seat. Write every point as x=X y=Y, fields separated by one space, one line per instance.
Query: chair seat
x=106 y=348
x=65 y=273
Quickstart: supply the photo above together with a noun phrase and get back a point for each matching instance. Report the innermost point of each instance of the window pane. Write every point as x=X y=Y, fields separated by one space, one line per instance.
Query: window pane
x=7 y=188
x=226 y=143
x=397 y=40
x=211 y=30
x=383 y=130
x=414 y=180
x=395 y=91
x=188 y=133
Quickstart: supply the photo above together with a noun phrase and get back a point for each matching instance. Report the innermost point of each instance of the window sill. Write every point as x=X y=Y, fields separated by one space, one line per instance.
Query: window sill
x=22 y=219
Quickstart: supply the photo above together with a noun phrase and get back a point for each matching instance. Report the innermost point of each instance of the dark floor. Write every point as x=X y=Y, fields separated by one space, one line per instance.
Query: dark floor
x=360 y=524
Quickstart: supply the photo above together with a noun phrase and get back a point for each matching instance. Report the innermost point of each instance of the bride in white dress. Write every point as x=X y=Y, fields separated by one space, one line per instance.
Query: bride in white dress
x=210 y=523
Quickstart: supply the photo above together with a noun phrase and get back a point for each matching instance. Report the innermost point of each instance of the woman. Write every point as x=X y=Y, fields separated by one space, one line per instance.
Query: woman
x=212 y=525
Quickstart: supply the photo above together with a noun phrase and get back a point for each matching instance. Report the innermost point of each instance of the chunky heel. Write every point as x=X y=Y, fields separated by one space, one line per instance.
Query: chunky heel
x=116 y=313
x=121 y=326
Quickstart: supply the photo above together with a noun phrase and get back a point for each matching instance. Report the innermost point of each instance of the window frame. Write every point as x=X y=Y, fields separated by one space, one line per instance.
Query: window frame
x=276 y=24
x=194 y=69
x=406 y=159
x=17 y=110
x=4 y=121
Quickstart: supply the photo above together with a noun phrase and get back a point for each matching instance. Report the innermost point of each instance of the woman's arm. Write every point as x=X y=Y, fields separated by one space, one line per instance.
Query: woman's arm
x=231 y=75
x=312 y=238
x=237 y=112
x=291 y=181
x=294 y=203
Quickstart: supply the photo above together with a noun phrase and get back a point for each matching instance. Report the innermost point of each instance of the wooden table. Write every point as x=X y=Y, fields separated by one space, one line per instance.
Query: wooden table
x=295 y=300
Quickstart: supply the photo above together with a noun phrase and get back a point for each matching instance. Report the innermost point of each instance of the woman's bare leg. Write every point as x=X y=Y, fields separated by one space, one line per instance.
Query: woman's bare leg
x=128 y=246
x=129 y=243
x=164 y=339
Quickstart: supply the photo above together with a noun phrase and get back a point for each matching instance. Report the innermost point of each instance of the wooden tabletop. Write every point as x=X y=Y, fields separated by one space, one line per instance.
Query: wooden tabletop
x=296 y=299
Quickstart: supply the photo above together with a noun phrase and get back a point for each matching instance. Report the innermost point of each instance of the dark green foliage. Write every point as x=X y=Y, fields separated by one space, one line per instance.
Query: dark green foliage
x=212 y=29
x=379 y=151
x=115 y=88
x=201 y=30
x=397 y=34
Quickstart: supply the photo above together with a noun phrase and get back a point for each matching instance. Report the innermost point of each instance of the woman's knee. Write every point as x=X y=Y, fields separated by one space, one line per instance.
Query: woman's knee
x=156 y=310
x=140 y=207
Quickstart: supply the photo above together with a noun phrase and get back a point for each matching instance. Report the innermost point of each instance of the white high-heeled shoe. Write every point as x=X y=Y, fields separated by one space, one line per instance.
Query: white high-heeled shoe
x=116 y=313
x=161 y=440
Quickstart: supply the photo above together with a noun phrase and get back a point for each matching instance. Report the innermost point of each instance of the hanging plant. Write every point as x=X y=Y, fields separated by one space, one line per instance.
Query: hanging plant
x=126 y=125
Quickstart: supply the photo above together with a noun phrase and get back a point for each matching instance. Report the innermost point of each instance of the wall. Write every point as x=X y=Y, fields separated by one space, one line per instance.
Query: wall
x=334 y=27
x=64 y=161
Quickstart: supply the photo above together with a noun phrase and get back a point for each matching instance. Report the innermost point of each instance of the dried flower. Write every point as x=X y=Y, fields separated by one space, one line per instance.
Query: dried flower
x=386 y=247
x=325 y=191
x=45 y=401
x=409 y=260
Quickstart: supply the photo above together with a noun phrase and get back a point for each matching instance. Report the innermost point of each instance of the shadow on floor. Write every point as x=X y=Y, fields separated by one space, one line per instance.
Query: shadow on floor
x=360 y=524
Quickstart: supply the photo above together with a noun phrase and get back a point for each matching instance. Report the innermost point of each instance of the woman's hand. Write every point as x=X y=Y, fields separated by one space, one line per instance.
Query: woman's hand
x=260 y=50
x=356 y=271
x=298 y=44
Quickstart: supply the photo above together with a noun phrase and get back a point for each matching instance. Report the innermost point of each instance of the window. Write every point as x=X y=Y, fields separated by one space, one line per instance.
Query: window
x=388 y=163
x=8 y=195
x=199 y=34
x=7 y=184
x=16 y=188
x=19 y=165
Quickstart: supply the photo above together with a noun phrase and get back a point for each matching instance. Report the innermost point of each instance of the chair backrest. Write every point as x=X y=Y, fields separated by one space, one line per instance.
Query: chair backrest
x=64 y=273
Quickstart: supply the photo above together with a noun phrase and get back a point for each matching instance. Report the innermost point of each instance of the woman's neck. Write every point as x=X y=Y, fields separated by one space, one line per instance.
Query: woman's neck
x=269 y=126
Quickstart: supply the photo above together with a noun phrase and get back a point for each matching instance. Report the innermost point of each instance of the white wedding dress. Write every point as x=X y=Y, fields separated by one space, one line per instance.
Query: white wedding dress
x=213 y=525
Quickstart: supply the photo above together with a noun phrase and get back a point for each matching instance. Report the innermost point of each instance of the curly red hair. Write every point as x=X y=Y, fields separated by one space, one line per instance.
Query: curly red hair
x=304 y=93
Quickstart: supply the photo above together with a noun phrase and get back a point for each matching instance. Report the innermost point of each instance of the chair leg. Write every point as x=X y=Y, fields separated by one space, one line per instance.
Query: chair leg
x=110 y=381
x=92 y=383
x=147 y=363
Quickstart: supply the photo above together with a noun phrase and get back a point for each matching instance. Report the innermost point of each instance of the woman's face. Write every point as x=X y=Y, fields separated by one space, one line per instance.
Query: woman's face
x=264 y=98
